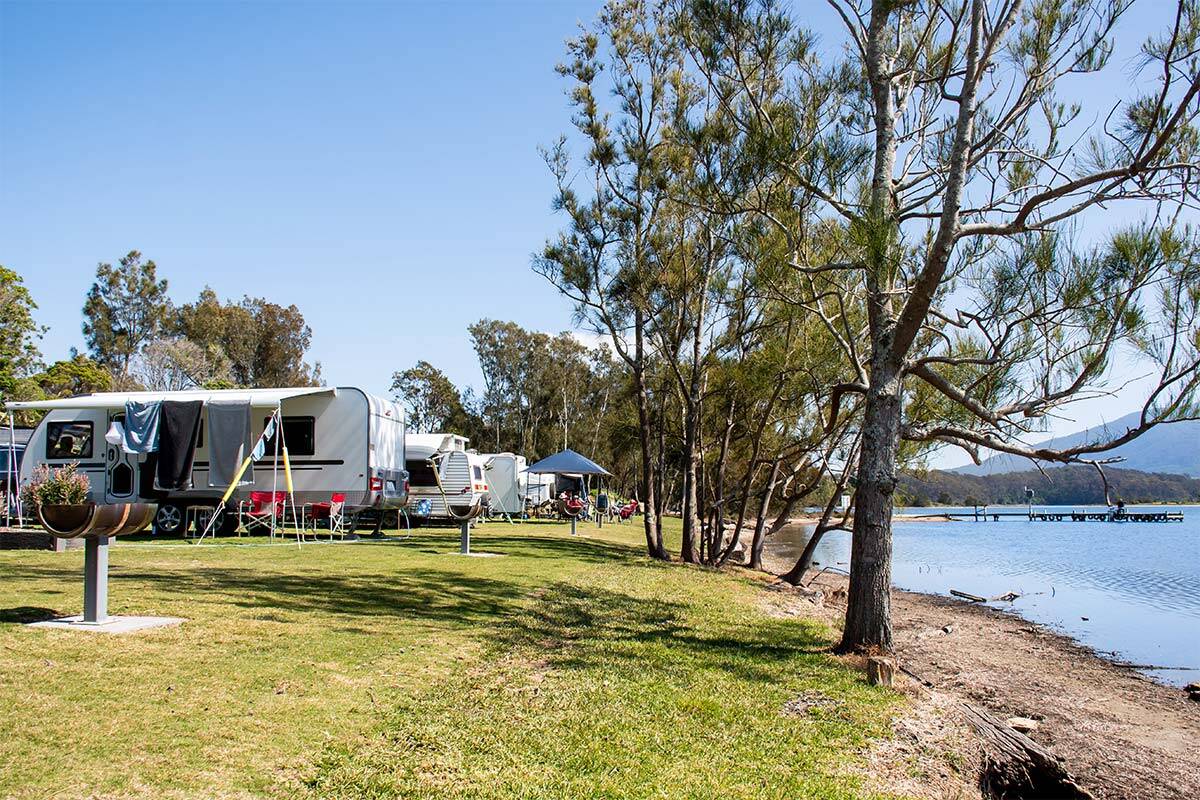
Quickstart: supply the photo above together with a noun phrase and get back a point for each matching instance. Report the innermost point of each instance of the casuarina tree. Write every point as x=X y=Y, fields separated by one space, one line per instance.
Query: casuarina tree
x=976 y=189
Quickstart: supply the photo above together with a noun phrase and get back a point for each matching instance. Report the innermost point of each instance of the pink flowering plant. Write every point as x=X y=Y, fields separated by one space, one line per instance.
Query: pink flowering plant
x=65 y=486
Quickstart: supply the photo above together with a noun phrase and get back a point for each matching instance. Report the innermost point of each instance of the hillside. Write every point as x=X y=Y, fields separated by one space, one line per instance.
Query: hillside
x=1074 y=485
x=1173 y=448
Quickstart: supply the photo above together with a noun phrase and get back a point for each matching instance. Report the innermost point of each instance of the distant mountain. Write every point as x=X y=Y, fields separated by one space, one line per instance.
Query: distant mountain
x=1074 y=485
x=1171 y=448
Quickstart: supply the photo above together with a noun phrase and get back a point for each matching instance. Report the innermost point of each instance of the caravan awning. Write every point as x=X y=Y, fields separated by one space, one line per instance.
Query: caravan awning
x=261 y=398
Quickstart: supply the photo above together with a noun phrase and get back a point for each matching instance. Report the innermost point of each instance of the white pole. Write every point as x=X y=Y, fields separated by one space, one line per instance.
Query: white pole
x=275 y=468
x=12 y=462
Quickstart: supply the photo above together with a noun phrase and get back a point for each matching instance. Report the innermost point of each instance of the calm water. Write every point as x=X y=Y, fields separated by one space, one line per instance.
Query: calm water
x=1131 y=590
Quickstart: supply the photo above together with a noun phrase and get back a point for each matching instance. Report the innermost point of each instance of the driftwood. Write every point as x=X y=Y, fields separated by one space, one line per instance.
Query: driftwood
x=1017 y=767
x=974 y=598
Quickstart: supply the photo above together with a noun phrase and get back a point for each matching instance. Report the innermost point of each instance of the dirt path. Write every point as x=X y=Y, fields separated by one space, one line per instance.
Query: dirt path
x=1123 y=735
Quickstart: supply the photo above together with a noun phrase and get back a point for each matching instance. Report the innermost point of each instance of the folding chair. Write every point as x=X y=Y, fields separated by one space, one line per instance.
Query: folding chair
x=260 y=510
x=333 y=512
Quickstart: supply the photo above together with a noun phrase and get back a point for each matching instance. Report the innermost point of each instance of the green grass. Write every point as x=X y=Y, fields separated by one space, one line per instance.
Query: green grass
x=568 y=668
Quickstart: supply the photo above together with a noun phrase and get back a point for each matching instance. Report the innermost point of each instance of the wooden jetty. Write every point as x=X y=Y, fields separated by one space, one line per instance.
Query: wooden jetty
x=982 y=514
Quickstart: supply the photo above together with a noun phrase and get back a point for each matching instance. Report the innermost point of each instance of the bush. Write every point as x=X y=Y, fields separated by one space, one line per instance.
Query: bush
x=65 y=486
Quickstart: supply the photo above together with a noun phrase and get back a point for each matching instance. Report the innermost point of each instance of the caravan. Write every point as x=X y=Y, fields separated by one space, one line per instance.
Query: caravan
x=340 y=441
x=507 y=481
x=446 y=480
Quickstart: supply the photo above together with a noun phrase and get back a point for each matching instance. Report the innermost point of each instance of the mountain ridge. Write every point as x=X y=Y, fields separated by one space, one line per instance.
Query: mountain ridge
x=1172 y=448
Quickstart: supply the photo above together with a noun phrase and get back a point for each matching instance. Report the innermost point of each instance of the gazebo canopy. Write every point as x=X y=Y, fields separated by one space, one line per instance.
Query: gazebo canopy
x=568 y=462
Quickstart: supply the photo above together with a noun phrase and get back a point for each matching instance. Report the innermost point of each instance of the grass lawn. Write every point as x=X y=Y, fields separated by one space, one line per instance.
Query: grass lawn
x=566 y=668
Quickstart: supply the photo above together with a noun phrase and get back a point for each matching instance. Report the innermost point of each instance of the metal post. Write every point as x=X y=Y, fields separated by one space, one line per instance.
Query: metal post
x=95 y=579
x=572 y=526
x=464 y=537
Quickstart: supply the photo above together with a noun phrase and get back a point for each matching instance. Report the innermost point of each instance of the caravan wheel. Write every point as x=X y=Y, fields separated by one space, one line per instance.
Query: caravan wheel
x=169 y=520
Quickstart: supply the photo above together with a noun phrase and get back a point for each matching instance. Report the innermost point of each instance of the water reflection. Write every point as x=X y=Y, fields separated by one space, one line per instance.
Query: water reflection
x=1131 y=590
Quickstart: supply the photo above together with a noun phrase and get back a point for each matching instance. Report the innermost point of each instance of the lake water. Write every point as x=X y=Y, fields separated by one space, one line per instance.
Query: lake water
x=1131 y=591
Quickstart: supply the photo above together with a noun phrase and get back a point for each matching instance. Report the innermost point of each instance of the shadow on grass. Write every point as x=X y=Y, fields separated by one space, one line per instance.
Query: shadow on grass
x=23 y=615
x=573 y=627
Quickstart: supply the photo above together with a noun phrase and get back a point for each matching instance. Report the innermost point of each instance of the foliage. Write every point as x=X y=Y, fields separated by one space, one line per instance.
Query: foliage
x=19 y=333
x=265 y=343
x=1071 y=485
x=126 y=307
x=62 y=486
x=175 y=364
x=431 y=401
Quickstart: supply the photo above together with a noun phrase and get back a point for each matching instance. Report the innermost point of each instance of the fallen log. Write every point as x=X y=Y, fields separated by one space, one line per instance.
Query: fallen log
x=974 y=598
x=1015 y=766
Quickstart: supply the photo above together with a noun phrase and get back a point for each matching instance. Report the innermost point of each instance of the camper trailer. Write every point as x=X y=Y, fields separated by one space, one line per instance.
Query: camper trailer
x=340 y=441
x=446 y=481
x=506 y=481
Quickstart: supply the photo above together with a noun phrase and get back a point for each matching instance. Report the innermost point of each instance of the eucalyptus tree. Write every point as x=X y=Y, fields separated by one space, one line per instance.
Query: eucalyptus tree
x=975 y=189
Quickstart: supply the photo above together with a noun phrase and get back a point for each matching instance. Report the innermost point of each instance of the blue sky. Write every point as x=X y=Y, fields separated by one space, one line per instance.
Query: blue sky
x=374 y=163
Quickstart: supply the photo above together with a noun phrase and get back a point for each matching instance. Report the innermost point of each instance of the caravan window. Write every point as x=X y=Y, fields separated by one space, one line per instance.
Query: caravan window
x=420 y=473
x=68 y=440
x=478 y=474
x=299 y=433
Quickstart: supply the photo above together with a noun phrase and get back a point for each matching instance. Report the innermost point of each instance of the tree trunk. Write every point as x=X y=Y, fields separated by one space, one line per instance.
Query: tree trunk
x=760 y=526
x=650 y=521
x=691 y=499
x=868 y=611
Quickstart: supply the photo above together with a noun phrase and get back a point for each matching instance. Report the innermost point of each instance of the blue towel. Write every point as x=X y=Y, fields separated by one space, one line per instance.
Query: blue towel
x=141 y=427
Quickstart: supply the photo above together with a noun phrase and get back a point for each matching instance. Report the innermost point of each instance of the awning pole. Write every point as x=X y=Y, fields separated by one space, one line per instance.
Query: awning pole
x=275 y=466
x=10 y=485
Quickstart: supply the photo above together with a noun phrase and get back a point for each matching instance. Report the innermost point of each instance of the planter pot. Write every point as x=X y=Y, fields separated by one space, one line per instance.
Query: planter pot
x=89 y=519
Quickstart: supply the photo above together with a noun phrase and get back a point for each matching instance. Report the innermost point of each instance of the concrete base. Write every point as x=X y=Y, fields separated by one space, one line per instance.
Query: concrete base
x=110 y=625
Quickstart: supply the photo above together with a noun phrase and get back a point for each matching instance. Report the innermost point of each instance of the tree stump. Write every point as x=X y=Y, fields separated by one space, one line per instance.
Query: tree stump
x=1015 y=766
x=881 y=671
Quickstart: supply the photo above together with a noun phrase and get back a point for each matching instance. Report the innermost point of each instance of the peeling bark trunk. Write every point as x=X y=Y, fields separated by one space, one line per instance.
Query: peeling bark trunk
x=650 y=518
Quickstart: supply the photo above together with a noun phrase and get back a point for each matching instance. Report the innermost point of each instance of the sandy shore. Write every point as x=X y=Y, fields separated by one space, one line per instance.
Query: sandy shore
x=1120 y=733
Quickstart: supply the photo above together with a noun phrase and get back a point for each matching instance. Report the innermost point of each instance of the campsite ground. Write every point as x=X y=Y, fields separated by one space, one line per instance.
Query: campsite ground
x=566 y=668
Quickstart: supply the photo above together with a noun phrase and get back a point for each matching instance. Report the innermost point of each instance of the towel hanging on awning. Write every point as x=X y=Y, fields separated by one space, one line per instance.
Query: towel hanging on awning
x=141 y=426
x=228 y=442
x=179 y=426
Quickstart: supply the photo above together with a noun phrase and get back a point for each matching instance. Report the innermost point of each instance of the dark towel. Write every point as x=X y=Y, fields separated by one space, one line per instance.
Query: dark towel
x=178 y=427
x=228 y=442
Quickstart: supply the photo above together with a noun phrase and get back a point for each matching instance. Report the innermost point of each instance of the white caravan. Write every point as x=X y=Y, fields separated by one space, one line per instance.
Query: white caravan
x=340 y=441
x=506 y=481
x=446 y=481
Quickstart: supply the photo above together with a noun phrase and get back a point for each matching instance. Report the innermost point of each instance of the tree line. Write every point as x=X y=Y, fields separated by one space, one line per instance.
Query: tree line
x=1070 y=485
x=138 y=338
x=821 y=258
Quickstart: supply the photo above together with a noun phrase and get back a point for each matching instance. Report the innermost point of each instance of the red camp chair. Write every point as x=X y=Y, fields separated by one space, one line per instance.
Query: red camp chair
x=259 y=511
x=333 y=512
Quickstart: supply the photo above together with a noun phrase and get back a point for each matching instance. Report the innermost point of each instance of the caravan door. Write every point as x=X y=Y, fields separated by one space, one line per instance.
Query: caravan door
x=121 y=478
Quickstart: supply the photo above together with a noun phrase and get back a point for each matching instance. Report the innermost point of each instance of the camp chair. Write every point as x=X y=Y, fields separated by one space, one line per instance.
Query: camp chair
x=333 y=512
x=259 y=510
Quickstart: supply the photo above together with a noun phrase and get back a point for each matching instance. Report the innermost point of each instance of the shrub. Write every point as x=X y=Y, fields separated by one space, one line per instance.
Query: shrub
x=65 y=486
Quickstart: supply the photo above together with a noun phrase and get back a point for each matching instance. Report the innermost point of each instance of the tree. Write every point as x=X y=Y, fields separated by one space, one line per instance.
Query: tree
x=125 y=308
x=939 y=145
x=429 y=397
x=605 y=262
x=19 y=333
x=265 y=343
x=174 y=364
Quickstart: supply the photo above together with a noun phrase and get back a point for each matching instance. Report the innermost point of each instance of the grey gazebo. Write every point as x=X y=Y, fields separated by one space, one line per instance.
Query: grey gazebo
x=569 y=463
